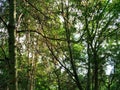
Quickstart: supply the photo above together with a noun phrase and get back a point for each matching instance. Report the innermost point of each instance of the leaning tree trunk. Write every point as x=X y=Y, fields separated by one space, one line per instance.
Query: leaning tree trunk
x=11 y=43
x=73 y=66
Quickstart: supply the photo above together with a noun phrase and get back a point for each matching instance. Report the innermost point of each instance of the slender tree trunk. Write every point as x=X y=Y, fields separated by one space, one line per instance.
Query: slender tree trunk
x=95 y=72
x=29 y=62
x=11 y=41
x=88 y=73
x=33 y=62
x=73 y=66
x=89 y=41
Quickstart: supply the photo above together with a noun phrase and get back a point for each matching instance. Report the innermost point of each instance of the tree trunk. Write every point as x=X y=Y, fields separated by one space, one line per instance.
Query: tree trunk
x=88 y=73
x=11 y=42
x=95 y=72
x=73 y=66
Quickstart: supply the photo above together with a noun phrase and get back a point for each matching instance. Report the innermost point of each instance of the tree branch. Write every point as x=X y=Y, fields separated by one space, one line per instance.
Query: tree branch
x=4 y=22
x=59 y=39
x=50 y=38
x=36 y=8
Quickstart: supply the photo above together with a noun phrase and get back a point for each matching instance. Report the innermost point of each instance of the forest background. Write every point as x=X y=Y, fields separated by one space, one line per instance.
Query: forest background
x=59 y=44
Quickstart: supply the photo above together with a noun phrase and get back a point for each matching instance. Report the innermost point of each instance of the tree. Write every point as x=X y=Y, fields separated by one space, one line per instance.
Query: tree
x=11 y=41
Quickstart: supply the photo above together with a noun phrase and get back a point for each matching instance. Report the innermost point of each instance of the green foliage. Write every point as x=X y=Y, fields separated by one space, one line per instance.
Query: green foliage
x=59 y=42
